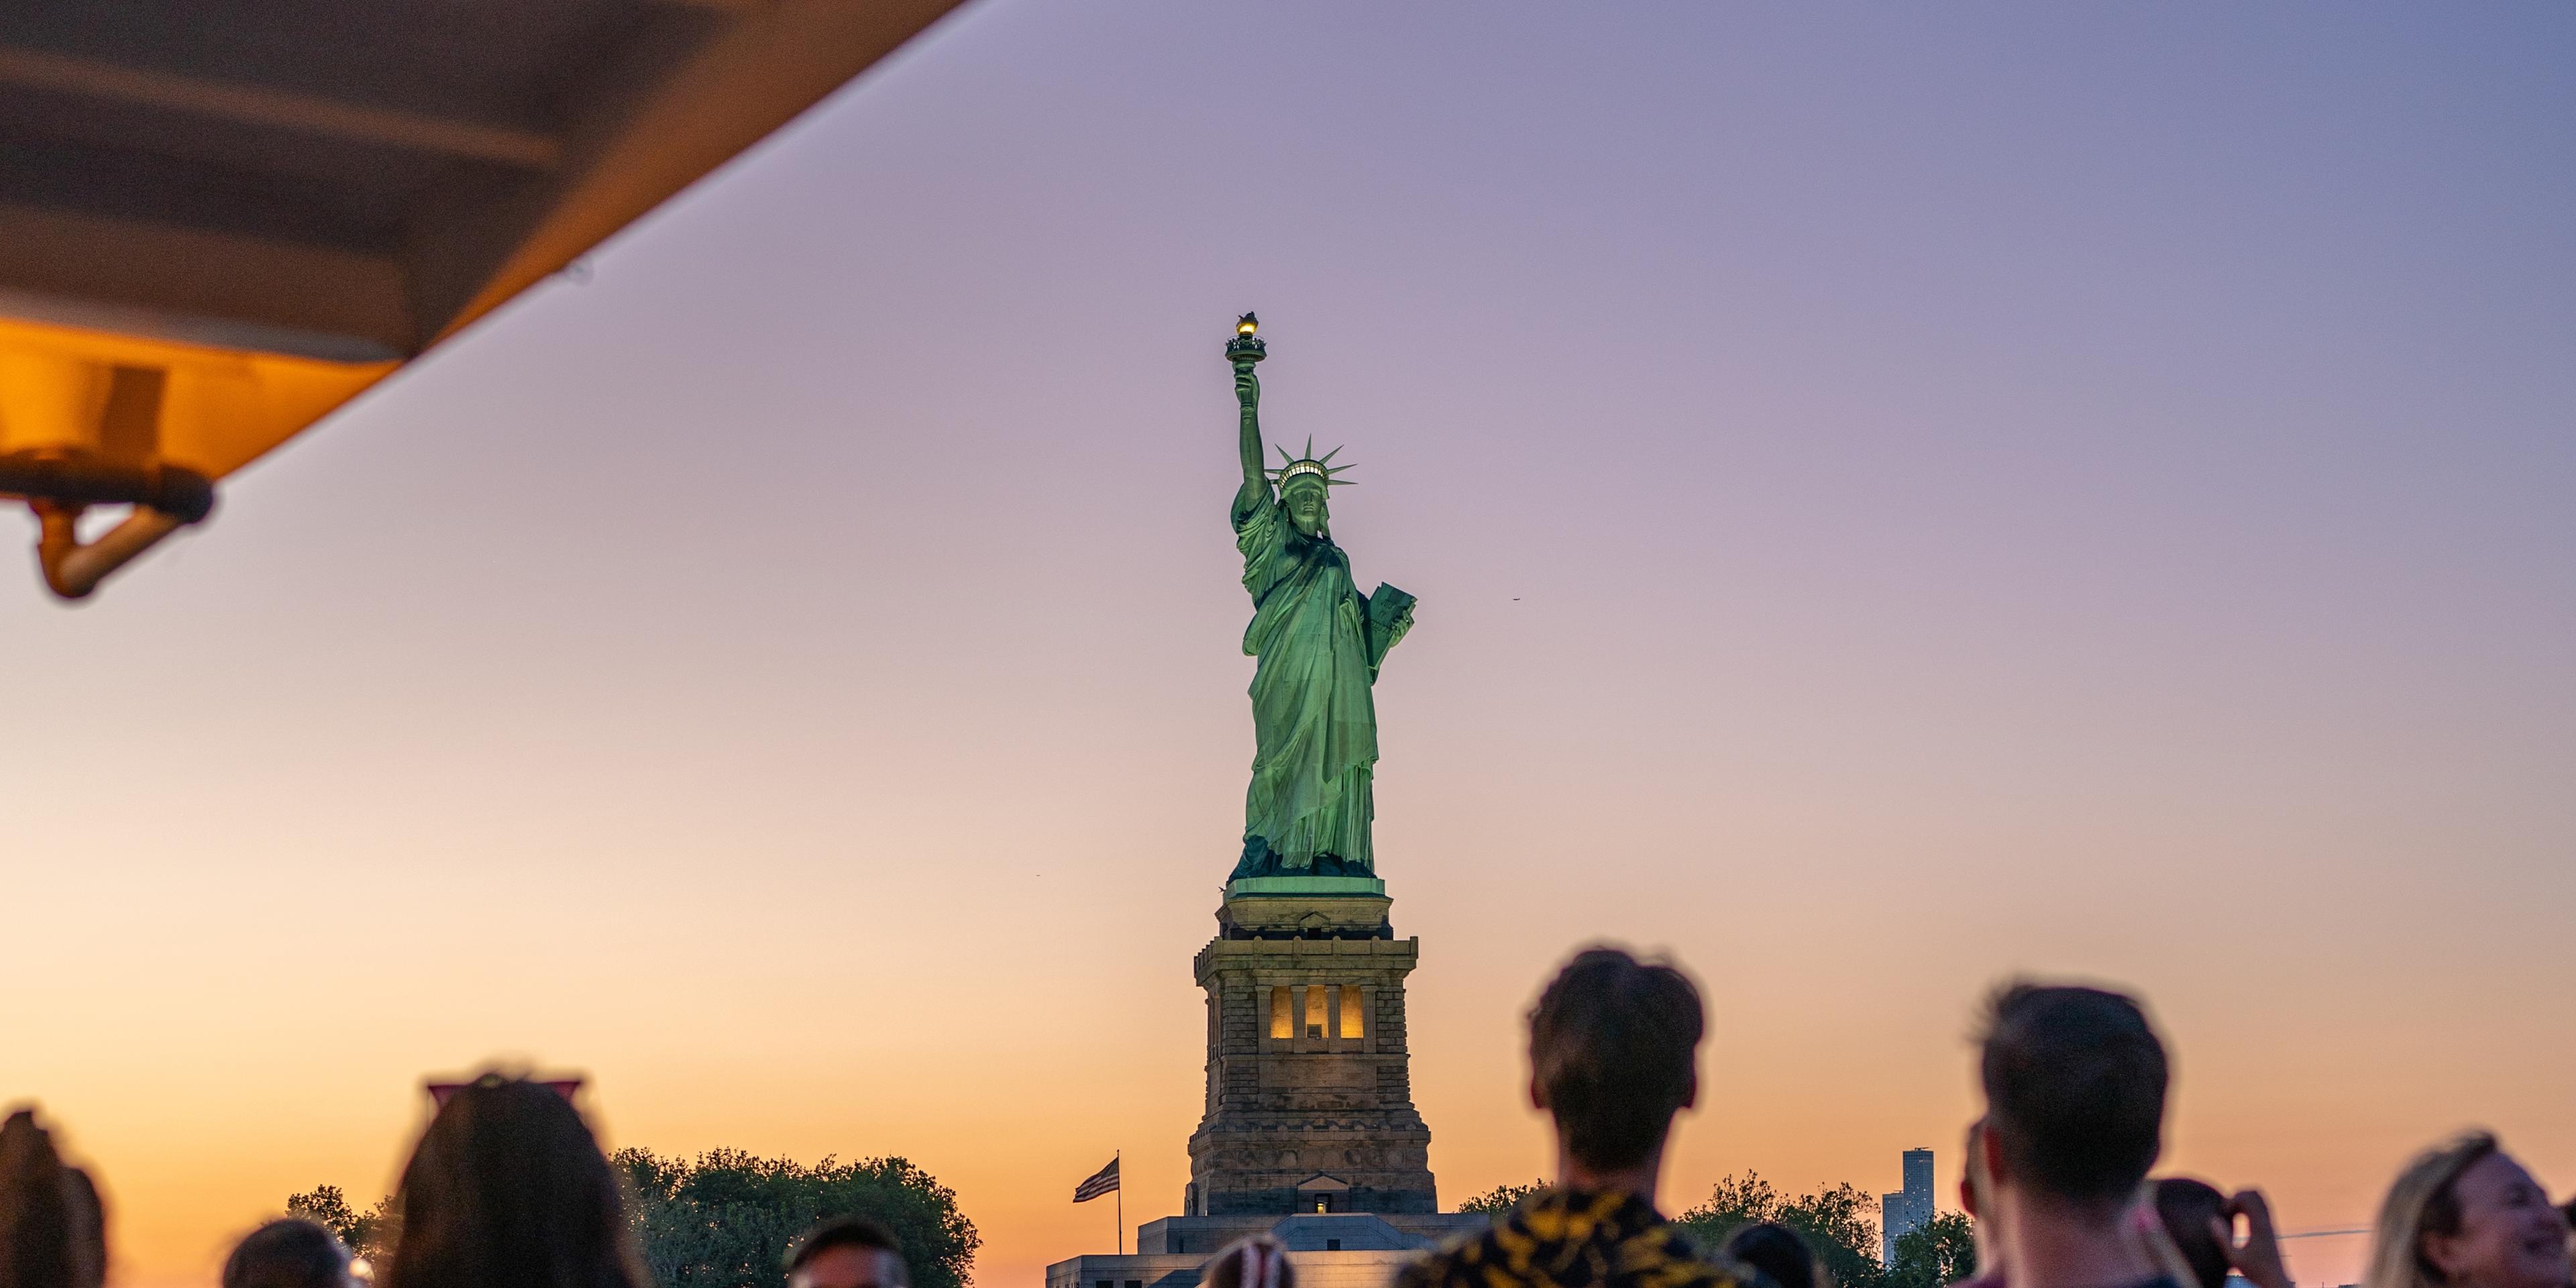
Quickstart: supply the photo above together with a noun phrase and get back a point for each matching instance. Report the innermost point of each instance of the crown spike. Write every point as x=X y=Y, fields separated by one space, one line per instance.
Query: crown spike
x=1309 y=464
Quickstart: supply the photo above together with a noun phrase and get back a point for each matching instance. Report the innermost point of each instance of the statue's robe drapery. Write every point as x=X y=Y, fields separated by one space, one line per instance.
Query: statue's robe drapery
x=1314 y=719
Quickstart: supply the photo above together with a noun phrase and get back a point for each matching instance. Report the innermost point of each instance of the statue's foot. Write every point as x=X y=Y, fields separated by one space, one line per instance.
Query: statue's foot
x=1258 y=860
x=1334 y=865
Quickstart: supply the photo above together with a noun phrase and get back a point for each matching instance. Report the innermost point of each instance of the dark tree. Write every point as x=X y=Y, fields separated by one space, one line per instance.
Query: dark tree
x=1835 y=1222
x=1501 y=1198
x=1939 y=1252
x=725 y=1219
x=369 y=1236
x=1734 y=1201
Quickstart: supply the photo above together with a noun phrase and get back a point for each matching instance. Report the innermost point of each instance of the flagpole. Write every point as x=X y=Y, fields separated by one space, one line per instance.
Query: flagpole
x=1121 y=1232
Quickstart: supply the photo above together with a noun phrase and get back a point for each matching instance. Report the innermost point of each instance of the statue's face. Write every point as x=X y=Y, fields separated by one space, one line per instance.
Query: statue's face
x=1305 y=502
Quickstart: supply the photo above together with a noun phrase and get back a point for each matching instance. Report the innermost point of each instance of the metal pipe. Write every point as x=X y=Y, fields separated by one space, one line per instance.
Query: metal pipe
x=73 y=570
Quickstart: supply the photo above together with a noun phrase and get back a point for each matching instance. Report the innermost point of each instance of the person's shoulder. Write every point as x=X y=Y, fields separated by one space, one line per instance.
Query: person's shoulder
x=1461 y=1261
x=1532 y=1245
x=1665 y=1257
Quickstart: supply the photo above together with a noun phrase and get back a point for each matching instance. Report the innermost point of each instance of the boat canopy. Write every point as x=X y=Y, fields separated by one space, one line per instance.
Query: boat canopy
x=219 y=221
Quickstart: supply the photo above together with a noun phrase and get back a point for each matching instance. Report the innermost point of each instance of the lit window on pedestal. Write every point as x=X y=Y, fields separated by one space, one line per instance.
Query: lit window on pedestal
x=1351 y=1021
x=1315 y=1011
x=1281 y=1026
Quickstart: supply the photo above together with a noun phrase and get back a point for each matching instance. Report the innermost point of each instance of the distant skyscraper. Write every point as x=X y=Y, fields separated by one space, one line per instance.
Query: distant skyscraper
x=1908 y=1208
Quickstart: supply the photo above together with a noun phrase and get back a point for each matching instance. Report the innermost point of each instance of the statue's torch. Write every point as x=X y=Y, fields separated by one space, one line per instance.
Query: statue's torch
x=1246 y=347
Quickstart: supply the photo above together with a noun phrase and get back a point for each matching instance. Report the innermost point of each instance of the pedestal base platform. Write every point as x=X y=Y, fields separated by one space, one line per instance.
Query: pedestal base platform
x=1356 y=1251
x=1305 y=908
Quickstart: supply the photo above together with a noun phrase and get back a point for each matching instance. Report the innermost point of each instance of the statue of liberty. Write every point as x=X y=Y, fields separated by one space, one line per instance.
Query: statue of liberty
x=1320 y=643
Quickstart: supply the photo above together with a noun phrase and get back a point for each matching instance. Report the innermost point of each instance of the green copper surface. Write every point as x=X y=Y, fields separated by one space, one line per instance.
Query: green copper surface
x=1320 y=643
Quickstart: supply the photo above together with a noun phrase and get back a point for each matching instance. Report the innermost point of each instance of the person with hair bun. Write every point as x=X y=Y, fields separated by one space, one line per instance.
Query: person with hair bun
x=2465 y=1214
x=53 y=1230
x=1613 y=1049
x=1255 y=1262
x=508 y=1189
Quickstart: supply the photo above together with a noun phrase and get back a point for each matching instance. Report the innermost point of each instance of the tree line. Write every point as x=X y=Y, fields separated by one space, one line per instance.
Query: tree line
x=725 y=1218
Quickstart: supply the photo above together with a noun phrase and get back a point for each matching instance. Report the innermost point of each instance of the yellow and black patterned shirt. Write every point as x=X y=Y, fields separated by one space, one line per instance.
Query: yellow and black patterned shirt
x=1573 y=1239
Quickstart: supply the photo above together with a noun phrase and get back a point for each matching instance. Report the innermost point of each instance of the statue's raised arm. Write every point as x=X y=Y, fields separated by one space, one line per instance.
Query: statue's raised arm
x=1247 y=391
x=1320 y=643
x=1256 y=480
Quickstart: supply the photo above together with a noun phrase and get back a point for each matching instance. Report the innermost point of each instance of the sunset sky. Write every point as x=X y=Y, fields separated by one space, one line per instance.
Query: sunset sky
x=1899 y=495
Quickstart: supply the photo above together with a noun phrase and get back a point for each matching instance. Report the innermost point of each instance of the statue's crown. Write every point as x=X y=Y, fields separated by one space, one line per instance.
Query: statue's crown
x=1321 y=467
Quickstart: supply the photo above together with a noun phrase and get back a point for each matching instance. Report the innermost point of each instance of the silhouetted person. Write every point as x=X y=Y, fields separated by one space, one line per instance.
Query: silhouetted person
x=2188 y=1208
x=848 y=1252
x=1776 y=1251
x=508 y=1189
x=2075 y=1099
x=2466 y=1215
x=2201 y=1222
x=292 y=1253
x=1611 y=1047
x=1255 y=1262
x=53 y=1231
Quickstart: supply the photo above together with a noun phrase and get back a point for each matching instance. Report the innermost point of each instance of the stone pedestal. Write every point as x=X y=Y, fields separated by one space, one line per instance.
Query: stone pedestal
x=1309 y=1085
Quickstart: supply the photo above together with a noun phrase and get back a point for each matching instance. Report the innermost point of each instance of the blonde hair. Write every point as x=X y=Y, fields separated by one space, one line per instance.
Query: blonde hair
x=2421 y=1201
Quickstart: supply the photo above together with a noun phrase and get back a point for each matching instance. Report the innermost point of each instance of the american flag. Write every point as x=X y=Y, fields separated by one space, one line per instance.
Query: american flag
x=1101 y=1182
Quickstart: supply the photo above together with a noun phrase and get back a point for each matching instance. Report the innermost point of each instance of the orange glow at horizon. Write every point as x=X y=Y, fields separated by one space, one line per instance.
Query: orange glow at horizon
x=978 y=1089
